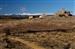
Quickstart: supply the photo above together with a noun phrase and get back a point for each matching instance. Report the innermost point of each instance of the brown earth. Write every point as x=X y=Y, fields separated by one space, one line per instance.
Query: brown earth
x=46 y=33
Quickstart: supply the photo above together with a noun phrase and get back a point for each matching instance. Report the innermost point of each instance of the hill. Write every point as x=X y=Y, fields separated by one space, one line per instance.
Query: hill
x=46 y=33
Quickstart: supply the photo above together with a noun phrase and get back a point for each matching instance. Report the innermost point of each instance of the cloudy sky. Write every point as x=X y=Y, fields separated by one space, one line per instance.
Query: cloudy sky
x=35 y=6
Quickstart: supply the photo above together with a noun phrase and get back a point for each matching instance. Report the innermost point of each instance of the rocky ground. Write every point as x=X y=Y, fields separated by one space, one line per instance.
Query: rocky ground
x=46 y=33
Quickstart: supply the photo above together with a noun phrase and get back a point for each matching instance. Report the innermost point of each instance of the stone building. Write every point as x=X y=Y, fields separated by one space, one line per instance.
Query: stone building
x=63 y=12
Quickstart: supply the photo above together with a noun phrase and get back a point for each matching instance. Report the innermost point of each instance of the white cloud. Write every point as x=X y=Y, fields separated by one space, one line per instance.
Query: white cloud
x=23 y=9
x=8 y=14
x=35 y=13
x=30 y=13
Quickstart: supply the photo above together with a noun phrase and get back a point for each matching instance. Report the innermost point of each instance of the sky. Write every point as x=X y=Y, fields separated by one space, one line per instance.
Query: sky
x=35 y=6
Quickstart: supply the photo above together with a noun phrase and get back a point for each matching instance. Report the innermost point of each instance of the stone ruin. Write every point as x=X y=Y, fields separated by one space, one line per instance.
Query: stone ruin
x=63 y=13
x=37 y=16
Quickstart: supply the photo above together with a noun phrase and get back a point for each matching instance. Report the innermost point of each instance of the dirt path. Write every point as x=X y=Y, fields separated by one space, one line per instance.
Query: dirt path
x=32 y=45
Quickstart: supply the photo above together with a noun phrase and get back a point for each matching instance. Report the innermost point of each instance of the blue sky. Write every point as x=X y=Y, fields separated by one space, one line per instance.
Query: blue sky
x=35 y=6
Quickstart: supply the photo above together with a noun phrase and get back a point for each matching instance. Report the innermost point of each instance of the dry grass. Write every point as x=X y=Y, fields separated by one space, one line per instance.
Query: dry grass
x=60 y=36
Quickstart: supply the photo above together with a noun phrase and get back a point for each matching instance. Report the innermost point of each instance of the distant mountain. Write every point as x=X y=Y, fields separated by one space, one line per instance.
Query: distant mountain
x=30 y=14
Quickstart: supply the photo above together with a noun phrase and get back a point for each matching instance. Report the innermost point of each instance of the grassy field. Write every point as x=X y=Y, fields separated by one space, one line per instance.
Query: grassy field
x=45 y=33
